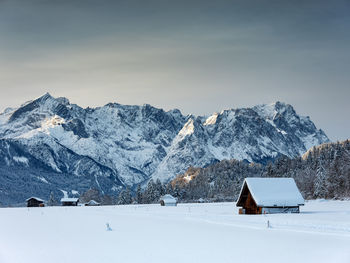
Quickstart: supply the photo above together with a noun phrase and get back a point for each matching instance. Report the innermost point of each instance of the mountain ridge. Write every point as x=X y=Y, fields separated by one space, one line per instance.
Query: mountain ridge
x=125 y=145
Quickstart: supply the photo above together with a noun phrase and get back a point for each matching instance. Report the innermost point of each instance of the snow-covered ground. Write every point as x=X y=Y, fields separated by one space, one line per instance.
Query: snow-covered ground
x=186 y=233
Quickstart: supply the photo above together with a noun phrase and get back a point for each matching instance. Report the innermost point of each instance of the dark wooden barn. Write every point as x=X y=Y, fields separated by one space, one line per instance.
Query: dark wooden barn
x=34 y=202
x=269 y=196
x=69 y=201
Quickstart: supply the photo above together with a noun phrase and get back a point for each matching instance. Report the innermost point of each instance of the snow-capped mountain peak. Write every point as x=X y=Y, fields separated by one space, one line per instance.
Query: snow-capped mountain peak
x=117 y=145
x=187 y=129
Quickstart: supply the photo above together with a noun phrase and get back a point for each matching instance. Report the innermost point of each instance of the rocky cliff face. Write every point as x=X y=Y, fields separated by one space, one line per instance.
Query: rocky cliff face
x=257 y=134
x=114 y=146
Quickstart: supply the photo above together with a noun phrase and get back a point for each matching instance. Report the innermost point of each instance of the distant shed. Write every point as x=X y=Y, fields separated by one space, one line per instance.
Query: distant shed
x=69 y=201
x=168 y=200
x=269 y=196
x=92 y=203
x=34 y=202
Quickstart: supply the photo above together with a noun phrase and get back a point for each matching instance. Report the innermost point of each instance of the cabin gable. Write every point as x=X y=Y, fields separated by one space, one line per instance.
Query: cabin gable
x=246 y=200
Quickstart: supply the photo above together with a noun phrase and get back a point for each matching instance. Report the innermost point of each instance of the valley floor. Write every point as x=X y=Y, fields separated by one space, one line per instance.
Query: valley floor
x=186 y=233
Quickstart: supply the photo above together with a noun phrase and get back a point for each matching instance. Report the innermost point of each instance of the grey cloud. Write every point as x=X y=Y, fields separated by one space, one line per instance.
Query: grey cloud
x=200 y=56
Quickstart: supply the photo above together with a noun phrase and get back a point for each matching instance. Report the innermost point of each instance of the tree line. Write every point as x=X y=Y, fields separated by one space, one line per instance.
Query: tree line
x=322 y=172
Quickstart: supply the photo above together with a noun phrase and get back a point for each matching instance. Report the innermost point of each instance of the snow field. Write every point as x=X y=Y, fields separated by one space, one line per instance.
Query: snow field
x=186 y=233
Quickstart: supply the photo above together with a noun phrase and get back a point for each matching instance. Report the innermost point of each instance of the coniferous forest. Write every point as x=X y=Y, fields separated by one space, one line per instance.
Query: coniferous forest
x=323 y=172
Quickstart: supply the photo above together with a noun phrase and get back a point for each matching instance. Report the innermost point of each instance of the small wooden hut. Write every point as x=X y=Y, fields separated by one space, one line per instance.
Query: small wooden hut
x=92 y=203
x=69 y=201
x=269 y=196
x=34 y=202
x=168 y=200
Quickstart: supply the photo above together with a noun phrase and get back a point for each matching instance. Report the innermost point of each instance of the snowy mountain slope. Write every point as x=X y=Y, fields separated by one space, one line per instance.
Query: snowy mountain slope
x=132 y=144
x=257 y=135
x=24 y=173
x=131 y=140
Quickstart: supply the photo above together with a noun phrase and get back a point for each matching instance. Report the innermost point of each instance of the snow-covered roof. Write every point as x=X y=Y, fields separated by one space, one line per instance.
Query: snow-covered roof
x=69 y=199
x=93 y=202
x=36 y=198
x=168 y=198
x=273 y=192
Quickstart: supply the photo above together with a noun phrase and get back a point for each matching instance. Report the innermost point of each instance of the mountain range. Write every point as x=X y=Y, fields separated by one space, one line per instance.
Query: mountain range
x=49 y=144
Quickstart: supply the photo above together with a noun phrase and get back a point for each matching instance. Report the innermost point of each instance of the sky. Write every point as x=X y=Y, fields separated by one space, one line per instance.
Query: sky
x=198 y=56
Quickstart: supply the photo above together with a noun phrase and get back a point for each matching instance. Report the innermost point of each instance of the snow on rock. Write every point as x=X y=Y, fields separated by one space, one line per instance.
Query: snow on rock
x=211 y=120
x=21 y=159
x=42 y=179
x=188 y=129
x=131 y=144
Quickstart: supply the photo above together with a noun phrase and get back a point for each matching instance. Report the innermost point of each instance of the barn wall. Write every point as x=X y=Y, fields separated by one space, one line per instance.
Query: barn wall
x=278 y=210
x=170 y=204
x=69 y=203
x=33 y=203
x=250 y=206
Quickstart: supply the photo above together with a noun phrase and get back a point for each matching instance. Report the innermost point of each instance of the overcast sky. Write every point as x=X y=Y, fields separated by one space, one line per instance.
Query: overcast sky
x=198 y=56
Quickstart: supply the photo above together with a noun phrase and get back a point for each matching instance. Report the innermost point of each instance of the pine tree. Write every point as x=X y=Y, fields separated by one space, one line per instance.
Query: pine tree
x=52 y=200
x=107 y=200
x=139 y=196
x=320 y=183
x=124 y=197
x=153 y=192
